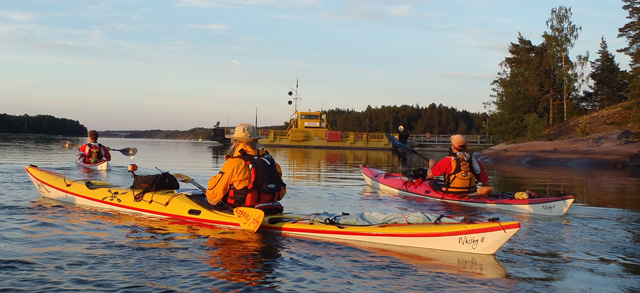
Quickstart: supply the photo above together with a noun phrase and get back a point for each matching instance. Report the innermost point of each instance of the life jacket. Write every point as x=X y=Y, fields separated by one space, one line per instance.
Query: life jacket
x=93 y=153
x=266 y=185
x=462 y=178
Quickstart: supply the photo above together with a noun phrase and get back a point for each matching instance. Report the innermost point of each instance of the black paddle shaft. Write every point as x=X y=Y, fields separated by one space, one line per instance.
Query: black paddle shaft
x=403 y=146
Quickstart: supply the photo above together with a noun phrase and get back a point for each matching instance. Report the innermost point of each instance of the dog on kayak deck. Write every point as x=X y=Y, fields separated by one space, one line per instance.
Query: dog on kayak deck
x=415 y=174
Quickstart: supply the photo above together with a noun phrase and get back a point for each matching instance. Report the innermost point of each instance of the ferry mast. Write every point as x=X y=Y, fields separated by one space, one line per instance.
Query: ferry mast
x=296 y=98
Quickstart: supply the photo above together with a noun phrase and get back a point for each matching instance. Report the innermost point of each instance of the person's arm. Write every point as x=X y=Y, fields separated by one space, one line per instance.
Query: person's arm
x=81 y=151
x=429 y=171
x=485 y=189
x=234 y=171
x=107 y=154
x=217 y=187
x=440 y=168
x=483 y=177
x=283 y=191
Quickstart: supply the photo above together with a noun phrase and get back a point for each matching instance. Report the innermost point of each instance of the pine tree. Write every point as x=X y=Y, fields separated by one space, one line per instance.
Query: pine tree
x=525 y=85
x=631 y=31
x=608 y=83
x=561 y=38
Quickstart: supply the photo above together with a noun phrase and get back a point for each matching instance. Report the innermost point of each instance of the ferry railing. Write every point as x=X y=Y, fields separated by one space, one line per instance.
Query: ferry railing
x=446 y=139
x=363 y=136
x=436 y=139
x=345 y=135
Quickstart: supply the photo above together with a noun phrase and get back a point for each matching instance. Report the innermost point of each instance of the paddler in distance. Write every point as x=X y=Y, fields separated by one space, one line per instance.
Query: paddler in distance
x=93 y=152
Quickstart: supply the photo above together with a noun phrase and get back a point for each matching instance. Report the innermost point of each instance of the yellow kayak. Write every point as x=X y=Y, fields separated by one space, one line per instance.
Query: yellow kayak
x=480 y=238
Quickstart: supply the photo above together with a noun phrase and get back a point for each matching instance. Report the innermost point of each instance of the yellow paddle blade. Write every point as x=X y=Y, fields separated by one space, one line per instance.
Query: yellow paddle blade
x=183 y=178
x=68 y=144
x=186 y=179
x=249 y=218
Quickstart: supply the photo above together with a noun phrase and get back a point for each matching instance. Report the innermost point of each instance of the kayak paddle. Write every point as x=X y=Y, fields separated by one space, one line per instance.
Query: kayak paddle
x=66 y=144
x=127 y=151
x=403 y=146
x=250 y=218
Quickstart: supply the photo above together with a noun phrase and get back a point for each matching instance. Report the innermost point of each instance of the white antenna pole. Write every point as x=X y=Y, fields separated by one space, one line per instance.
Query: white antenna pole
x=294 y=116
x=296 y=98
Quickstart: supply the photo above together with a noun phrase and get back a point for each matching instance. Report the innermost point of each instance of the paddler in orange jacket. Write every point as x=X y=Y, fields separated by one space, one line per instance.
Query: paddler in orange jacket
x=233 y=184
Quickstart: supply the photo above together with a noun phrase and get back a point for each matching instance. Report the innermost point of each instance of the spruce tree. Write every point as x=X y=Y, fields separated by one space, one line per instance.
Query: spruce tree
x=631 y=31
x=608 y=80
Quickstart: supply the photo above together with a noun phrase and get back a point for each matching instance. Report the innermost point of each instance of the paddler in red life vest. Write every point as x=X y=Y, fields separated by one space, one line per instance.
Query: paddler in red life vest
x=461 y=170
x=93 y=152
x=249 y=177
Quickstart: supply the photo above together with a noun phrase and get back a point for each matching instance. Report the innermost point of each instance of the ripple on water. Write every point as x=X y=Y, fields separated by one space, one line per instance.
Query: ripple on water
x=47 y=246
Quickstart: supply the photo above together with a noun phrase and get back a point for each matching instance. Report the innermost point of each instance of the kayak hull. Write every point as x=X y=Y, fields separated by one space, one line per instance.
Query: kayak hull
x=479 y=238
x=104 y=165
x=393 y=183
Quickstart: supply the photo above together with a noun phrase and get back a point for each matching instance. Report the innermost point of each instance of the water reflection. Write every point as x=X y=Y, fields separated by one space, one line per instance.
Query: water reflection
x=321 y=165
x=240 y=256
x=475 y=266
x=236 y=256
x=22 y=148
x=596 y=187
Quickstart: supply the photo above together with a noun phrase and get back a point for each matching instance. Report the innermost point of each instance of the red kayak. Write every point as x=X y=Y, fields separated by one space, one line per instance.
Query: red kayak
x=395 y=183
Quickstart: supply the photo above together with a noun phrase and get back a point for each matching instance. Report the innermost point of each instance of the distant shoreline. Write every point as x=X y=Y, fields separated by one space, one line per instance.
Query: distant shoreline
x=606 y=150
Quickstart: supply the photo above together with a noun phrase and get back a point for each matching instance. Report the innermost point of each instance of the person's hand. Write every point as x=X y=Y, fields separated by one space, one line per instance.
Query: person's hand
x=485 y=190
x=431 y=163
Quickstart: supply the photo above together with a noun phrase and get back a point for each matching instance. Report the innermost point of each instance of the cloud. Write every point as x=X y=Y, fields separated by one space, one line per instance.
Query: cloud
x=15 y=83
x=199 y=3
x=235 y=3
x=17 y=15
x=214 y=28
x=400 y=10
x=234 y=61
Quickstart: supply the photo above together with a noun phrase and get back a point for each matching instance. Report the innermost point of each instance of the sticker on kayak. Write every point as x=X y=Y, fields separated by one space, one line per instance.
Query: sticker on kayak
x=471 y=240
x=249 y=218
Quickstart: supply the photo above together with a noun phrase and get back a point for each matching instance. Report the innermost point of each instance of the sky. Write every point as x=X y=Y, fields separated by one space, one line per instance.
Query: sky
x=181 y=64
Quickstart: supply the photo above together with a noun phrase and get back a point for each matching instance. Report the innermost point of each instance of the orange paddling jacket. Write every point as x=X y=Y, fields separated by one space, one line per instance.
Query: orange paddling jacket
x=247 y=178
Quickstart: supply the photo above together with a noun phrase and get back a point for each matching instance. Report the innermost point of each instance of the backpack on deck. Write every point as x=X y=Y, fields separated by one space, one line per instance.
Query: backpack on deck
x=415 y=174
x=157 y=182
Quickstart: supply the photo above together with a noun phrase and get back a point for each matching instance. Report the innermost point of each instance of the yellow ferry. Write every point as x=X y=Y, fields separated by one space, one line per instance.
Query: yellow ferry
x=311 y=130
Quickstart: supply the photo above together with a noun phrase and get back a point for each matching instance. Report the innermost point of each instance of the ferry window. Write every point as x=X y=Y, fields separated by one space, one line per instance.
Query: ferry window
x=315 y=117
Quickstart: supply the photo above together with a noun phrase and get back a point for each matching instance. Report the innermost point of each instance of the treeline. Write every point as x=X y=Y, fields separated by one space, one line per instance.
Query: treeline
x=41 y=124
x=539 y=86
x=434 y=119
x=191 y=134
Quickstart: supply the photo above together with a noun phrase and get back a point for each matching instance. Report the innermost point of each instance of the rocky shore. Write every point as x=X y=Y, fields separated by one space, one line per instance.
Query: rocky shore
x=616 y=149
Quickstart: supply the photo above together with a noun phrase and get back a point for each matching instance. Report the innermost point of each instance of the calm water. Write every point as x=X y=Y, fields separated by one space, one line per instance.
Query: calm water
x=50 y=246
